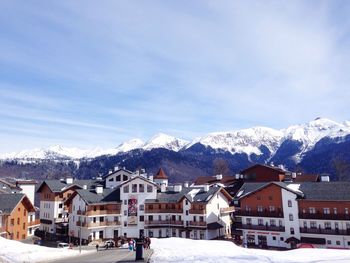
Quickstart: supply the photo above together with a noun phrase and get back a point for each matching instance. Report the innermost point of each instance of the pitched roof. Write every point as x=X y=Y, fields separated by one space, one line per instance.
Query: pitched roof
x=264 y=165
x=108 y=195
x=8 y=187
x=58 y=186
x=160 y=174
x=306 y=178
x=226 y=180
x=116 y=171
x=9 y=201
x=326 y=191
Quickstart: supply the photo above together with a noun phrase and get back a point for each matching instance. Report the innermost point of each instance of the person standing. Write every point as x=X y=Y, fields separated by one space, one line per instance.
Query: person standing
x=97 y=247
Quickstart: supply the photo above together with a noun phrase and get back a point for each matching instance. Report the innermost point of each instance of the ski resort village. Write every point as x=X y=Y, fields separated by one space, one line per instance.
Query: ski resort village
x=263 y=209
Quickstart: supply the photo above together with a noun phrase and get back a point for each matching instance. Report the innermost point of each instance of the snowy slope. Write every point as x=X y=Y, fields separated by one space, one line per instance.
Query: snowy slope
x=200 y=251
x=15 y=251
x=130 y=145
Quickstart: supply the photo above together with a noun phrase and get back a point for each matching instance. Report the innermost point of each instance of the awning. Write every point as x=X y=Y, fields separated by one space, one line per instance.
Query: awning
x=215 y=225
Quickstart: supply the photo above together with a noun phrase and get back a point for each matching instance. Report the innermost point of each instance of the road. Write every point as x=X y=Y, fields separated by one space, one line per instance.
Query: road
x=106 y=256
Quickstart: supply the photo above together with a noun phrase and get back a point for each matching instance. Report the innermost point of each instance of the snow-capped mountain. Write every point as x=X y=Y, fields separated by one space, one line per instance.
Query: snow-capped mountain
x=248 y=141
x=162 y=140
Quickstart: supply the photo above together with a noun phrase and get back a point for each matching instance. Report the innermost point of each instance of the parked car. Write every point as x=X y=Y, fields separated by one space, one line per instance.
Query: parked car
x=63 y=245
x=109 y=243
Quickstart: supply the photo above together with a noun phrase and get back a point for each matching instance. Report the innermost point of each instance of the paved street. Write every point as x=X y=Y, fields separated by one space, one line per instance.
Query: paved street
x=107 y=256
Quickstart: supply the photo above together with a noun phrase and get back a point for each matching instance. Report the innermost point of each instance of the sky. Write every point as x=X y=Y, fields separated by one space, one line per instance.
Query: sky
x=87 y=74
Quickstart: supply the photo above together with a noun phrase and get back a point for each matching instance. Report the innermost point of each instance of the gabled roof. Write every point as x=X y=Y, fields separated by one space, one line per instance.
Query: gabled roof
x=250 y=188
x=116 y=171
x=263 y=165
x=138 y=177
x=160 y=174
x=57 y=186
x=91 y=197
x=9 y=201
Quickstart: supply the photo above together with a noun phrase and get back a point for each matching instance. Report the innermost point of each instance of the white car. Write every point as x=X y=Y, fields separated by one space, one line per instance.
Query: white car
x=63 y=245
x=109 y=243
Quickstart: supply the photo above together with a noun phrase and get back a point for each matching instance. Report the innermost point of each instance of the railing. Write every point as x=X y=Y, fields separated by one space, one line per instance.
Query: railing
x=263 y=227
x=259 y=214
x=324 y=216
x=98 y=224
x=34 y=222
x=98 y=212
x=197 y=211
x=225 y=210
x=164 y=222
x=164 y=210
x=325 y=231
x=197 y=224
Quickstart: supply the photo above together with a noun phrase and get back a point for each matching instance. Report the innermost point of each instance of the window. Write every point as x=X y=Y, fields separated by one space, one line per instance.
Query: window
x=273 y=238
x=292 y=230
x=160 y=233
x=290 y=217
x=142 y=207
x=59 y=215
x=289 y=203
x=281 y=238
x=24 y=226
x=338 y=243
x=335 y=210
x=313 y=224
x=312 y=210
x=125 y=224
x=247 y=208
x=150 y=233
x=270 y=197
x=260 y=222
x=326 y=211
x=118 y=178
x=305 y=224
x=125 y=212
x=149 y=188
x=24 y=212
x=347 y=226
x=142 y=218
x=60 y=205
x=327 y=225
x=272 y=222
x=125 y=202
x=141 y=188
x=260 y=208
x=125 y=178
x=272 y=208
x=186 y=202
x=187 y=212
x=18 y=221
x=126 y=189
x=329 y=242
x=280 y=222
x=346 y=210
x=111 y=179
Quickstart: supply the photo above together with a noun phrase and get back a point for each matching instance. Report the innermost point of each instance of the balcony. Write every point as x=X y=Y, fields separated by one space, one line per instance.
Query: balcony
x=324 y=216
x=98 y=212
x=259 y=214
x=325 y=231
x=164 y=223
x=197 y=224
x=34 y=222
x=227 y=210
x=163 y=210
x=263 y=227
x=198 y=211
x=98 y=224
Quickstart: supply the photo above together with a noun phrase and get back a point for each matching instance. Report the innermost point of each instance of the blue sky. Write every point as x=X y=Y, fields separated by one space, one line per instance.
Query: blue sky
x=86 y=74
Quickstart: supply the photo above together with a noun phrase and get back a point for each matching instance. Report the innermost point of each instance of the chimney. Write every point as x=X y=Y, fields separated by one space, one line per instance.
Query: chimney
x=150 y=178
x=178 y=188
x=84 y=186
x=206 y=188
x=294 y=175
x=237 y=176
x=325 y=178
x=162 y=188
x=116 y=168
x=69 y=180
x=218 y=176
x=185 y=184
x=110 y=171
x=99 y=189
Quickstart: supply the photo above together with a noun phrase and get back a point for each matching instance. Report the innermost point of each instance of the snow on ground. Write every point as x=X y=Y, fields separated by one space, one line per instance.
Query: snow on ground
x=197 y=251
x=15 y=251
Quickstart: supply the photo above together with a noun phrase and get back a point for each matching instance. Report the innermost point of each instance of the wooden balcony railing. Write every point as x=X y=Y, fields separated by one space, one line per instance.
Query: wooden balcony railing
x=197 y=211
x=227 y=210
x=263 y=227
x=98 y=212
x=164 y=222
x=324 y=216
x=259 y=214
x=197 y=224
x=98 y=224
x=325 y=231
x=34 y=222
x=161 y=210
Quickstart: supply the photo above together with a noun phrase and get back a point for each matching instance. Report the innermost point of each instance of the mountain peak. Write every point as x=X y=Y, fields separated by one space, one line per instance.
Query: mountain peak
x=130 y=145
x=162 y=140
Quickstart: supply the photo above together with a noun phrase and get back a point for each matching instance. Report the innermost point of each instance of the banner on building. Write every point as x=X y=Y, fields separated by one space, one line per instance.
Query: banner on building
x=132 y=210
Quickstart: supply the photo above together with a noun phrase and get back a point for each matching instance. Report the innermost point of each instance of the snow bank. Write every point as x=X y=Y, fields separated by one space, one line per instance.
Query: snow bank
x=186 y=250
x=15 y=251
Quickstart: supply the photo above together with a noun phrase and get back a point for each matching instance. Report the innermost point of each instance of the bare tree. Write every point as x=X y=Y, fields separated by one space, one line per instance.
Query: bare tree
x=220 y=166
x=342 y=169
